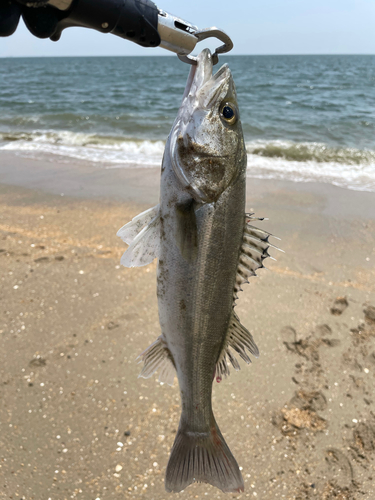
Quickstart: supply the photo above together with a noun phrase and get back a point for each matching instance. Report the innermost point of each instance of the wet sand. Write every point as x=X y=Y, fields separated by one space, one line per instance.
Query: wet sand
x=76 y=422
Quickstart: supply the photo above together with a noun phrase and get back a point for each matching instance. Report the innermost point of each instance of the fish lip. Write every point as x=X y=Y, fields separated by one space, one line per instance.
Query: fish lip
x=202 y=75
x=202 y=72
x=215 y=86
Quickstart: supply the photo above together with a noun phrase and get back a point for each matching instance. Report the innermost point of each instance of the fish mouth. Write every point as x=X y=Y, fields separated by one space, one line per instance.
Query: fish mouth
x=202 y=83
x=203 y=91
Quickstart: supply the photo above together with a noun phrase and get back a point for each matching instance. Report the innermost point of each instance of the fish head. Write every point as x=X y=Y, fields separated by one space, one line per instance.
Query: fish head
x=206 y=144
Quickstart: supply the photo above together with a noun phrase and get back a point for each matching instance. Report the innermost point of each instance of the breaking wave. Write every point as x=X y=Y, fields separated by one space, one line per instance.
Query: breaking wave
x=109 y=150
x=300 y=162
x=317 y=152
x=312 y=162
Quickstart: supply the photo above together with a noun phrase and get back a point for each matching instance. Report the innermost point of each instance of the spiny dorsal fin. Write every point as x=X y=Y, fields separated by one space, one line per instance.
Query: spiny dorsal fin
x=158 y=357
x=142 y=234
x=239 y=339
x=254 y=250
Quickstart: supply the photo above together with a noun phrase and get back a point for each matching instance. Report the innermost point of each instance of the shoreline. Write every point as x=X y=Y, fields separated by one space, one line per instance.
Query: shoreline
x=84 y=180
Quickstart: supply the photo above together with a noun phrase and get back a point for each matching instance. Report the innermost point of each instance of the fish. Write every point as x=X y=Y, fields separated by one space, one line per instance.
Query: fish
x=207 y=248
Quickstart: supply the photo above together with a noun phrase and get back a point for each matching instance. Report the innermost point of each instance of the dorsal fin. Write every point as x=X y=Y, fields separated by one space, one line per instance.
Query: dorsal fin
x=254 y=250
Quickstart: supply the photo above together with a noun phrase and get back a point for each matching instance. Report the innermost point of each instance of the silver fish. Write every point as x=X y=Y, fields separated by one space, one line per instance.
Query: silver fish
x=206 y=249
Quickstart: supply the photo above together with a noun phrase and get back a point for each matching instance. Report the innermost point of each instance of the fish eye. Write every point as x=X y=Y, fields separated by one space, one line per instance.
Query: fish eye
x=228 y=113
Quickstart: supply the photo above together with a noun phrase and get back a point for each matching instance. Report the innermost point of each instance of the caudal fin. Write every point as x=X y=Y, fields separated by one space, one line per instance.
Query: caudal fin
x=205 y=458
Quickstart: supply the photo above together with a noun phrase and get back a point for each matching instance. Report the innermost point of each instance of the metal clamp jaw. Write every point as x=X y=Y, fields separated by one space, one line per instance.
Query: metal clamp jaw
x=181 y=37
x=210 y=33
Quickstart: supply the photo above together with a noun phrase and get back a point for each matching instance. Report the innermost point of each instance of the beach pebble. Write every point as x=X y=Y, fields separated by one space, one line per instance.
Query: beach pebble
x=41 y=259
x=339 y=306
x=37 y=362
x=323 y=330
x=112 y=325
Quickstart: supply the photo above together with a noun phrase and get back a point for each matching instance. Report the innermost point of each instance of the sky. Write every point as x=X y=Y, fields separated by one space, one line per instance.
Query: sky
x=256 y=27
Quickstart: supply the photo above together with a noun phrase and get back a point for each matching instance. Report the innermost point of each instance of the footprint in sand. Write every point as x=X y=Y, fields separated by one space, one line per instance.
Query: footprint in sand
x=340 y=470
x=364 y=437
x=309 y=400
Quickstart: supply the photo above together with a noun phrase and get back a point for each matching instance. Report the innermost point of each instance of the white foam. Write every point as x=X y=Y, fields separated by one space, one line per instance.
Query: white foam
x=357 y=177
x=116 y=152
x=89 y=148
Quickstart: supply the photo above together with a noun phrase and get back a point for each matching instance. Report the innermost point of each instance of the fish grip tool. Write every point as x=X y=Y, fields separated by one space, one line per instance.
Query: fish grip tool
x=139 y=21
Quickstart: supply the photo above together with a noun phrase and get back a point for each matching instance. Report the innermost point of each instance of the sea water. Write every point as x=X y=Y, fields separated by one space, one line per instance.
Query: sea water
x=305 y=118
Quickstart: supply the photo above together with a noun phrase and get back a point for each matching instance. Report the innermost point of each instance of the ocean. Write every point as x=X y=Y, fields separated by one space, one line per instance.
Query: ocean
x=305 y=118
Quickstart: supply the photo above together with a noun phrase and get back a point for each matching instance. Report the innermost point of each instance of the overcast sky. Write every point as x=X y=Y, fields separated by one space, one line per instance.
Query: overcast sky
x=257 y=27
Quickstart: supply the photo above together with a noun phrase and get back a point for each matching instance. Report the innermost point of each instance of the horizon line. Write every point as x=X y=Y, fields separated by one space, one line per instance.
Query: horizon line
x=174 y=55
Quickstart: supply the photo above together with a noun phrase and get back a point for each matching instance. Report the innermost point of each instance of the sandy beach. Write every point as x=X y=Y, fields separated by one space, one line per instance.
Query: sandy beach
x=76 y=422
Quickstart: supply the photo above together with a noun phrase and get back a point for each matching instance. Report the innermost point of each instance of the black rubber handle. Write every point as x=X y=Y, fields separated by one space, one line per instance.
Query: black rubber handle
x=9 y=17
x=135 y=20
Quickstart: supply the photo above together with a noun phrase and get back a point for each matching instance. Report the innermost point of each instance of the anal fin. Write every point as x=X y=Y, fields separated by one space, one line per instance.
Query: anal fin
x=157 y=357
x=239 y=339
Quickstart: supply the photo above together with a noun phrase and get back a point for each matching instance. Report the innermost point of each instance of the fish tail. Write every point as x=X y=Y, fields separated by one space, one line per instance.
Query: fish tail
x=202 y=457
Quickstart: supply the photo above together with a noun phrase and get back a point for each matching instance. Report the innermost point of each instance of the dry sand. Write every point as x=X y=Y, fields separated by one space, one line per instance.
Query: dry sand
x=76 y=422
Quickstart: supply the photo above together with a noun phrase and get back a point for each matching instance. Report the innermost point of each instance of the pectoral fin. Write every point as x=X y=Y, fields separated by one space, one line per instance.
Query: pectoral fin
x=128 y=232
x=142 y=235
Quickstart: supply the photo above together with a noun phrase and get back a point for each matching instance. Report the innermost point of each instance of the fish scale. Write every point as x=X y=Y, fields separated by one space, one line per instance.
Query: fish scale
x=206 y=292
x=206 y=249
